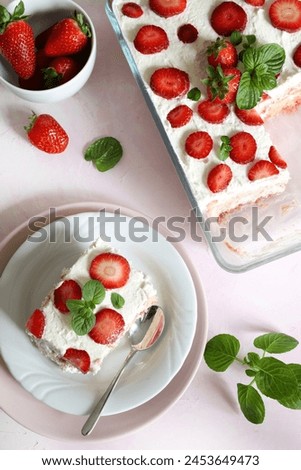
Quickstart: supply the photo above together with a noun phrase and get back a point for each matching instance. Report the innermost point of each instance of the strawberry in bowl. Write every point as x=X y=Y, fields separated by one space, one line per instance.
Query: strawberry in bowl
x=53 y=73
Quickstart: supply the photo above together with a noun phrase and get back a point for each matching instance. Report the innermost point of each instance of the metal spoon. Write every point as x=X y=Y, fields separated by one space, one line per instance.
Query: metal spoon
x=149 y=329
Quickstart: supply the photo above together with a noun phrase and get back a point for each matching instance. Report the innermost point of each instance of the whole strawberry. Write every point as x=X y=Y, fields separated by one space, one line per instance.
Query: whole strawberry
x=17 y=41
x=68 y=36
x=45 y=133
x=60 y=70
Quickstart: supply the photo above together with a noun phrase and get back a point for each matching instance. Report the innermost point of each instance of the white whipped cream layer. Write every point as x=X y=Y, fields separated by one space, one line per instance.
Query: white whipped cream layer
x=139 y=293
x=192 y=59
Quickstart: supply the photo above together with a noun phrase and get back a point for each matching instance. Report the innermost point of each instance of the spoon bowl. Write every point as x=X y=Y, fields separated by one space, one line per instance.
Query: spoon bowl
x=143 y=335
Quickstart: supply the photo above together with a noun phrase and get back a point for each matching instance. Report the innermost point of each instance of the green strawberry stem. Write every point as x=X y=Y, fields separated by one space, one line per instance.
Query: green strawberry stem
x=32 y=120
x=51 y=77
x=79 y=18
x=6 y=18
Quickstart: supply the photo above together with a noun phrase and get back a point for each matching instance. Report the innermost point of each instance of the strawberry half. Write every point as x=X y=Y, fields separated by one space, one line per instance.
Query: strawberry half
x=248 y=116
x=179 y=116
x=187 y=33
x=132 y=10
x=262 y=169
x=45 y=133
x=36 y=323
x=198 y=144
x=108 y=326
x=17 y=43
x=69 y=289
x=228 y=17
x=79 y=358
x=151 y=39
x=213 y=111
x=222 y=52
x=219 y=178
x=111 y=269
x=169 y=82
x=297 y=56
x=68 y=36
x=167 y=8
x=276 y=158
x=286 y=15
x=243 y=148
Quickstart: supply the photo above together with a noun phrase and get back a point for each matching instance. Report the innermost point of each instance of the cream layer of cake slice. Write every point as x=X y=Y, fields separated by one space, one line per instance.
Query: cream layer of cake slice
x=247 y=183
x=65 y=335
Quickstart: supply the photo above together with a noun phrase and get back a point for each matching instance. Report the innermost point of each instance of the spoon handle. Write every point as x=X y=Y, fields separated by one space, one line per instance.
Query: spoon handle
x=95 y=414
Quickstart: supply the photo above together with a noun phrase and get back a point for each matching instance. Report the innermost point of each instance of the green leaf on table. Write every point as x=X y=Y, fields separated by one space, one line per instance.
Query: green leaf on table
x=105 y=153
x=221 y=351
x=94 y=291
x=294 y=401
x=251 y=403
x=275 y=379
x=275 y=343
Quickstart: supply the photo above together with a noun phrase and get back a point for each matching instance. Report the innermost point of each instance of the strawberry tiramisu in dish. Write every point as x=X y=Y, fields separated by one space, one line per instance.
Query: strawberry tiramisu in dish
x=214 y=71
x=86 y=314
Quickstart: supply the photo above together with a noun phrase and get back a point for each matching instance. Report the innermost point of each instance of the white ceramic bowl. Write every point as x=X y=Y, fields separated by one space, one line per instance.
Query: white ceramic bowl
x=42 y=15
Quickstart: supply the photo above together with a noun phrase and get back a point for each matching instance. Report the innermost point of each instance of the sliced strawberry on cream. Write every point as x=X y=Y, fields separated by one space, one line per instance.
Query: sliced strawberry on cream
x=111 y=269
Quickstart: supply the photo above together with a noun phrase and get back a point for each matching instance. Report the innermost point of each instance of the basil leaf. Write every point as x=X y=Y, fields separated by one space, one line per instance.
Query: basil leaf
x=194 y=94
x=274 y=379
x=75 y=305
x=248 y=94
x=221 y=351
x=94 y=291
x=105 y=153
x=275 y=343
x=83 y=321
x=294 y=401
x=273 y=56
x=251 y=403
x=117 y=300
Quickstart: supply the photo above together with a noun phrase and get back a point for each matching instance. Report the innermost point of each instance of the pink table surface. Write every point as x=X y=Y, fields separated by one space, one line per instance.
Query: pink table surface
x=246 y=305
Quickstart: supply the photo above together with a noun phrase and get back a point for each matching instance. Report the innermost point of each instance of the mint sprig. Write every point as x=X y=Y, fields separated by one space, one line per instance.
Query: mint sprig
x=272 y=377
x=105 y=153
x=117 y=300
x=261 y=65
x=225 y=148
x=82 y=311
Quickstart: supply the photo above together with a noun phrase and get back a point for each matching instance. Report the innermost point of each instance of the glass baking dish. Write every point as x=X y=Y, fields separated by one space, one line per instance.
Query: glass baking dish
x=259 y=233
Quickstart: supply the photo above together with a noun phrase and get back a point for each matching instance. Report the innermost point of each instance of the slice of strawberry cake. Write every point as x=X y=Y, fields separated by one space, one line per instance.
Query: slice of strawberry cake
x=86 y=314
x=214 y=72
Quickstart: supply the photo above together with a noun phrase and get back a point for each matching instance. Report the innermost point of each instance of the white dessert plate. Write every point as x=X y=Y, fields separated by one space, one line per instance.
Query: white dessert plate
x=32 y=271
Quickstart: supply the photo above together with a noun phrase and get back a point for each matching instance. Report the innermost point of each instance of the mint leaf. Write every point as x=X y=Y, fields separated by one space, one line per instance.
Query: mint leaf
x=221 y=351
x=267 y=81
x=275 y=379
x=273 y=56
x=251 y=403
x=94 y=291
x=83 y=321
x=236 y=38
x=194 y=94
x=294 y=401
x=251 y=59
x=225 y=148
x=250 y=372
x=248 y=94
x=105 y=153
x=75 y=305
x=275 y=343
x=252 y=359
x=117 y=300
